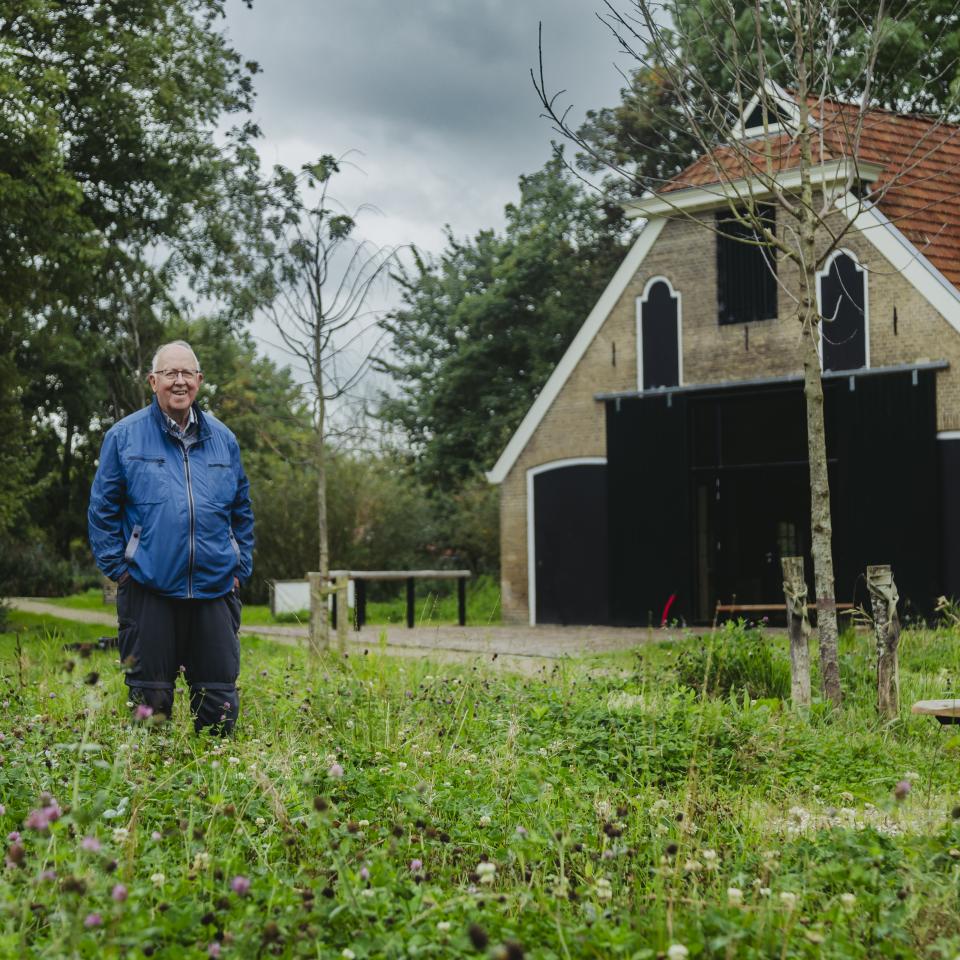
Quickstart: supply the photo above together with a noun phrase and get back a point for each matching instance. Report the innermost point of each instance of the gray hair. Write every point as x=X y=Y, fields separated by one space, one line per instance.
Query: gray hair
x=173 y=343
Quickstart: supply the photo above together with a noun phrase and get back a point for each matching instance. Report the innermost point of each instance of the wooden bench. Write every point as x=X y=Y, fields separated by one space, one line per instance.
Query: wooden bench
x=360 y=578
x=946 y=711
x=731 y=608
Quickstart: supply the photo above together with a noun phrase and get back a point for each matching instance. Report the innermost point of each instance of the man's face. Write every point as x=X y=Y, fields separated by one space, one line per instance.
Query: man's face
x=176 y=396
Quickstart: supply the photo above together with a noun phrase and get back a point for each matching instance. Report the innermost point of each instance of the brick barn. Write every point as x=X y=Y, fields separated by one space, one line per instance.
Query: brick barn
x=666 y=454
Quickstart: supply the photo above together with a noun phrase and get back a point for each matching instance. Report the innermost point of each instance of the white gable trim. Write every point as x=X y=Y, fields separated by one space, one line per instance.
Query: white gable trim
x=591 y=326
x=904 y=257
x=780 y=99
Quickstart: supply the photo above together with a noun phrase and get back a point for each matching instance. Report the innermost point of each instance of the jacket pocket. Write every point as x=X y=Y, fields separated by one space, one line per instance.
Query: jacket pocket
x=235 y=545
x=133 y=544
x=221 y=483
x=146 y=479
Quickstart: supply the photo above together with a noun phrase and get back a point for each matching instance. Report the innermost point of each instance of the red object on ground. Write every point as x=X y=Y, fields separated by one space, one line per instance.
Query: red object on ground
x=666 y=609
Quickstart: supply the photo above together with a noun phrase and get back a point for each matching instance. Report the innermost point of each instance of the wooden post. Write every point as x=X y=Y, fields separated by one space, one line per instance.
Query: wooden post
x=109 y=591
x=798 y=629
x=341 y=602
x=410 y=603
x=462 y=601
x=319 y=632
x=886 y=622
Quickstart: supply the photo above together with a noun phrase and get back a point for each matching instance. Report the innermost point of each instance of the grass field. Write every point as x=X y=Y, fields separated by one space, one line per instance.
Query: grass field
x=370 y=807
x=433 y=607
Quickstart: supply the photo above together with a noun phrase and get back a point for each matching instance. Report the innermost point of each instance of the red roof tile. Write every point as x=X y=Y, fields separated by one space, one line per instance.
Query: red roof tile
x=921 y=164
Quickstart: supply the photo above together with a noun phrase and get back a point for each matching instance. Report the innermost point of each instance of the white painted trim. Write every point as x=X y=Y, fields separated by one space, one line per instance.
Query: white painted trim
x=782 y=100
x=531 y=521
x=641 y=300
x=862 y=270
x=591 y=326
x=904 y=257
x=692 y=199
x=949 y=435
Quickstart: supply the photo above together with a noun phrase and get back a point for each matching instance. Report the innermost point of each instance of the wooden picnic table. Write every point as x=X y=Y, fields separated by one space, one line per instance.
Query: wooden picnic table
x=360 y=578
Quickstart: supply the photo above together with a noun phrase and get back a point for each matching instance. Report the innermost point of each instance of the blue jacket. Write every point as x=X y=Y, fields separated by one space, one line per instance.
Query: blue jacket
x=179 y=521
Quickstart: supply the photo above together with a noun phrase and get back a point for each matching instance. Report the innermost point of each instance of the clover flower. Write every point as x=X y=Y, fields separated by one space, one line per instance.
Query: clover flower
x=788 y=899
x=416 y=865
x=484 y=821
x=487 y=871
x=93 y=920
x=120 y=834
x=364 y=873
x=119 y=893
x=443 y=926
x=157 y=879
x=347 y=954
x=734 y=896
x=902 y=790
x=90 y=844
x=240 y=885
x=48 y=812
x=142 y=712
x=602 y=889
x=335 y=771
x=214 y=949
x=677 y=951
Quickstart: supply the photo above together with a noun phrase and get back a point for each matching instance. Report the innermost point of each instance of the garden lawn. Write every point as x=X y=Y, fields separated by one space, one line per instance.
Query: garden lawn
x=371 y=807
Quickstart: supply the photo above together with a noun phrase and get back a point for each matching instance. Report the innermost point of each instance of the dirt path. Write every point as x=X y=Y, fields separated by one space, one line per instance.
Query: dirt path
x=518 y=648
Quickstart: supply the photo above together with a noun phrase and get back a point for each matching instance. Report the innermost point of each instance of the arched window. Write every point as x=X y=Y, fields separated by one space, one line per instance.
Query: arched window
x=659 y=336
x=844 y=330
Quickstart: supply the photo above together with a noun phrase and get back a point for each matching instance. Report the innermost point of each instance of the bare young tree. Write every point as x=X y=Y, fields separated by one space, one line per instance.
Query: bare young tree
x=320 y=280
x=802 y=152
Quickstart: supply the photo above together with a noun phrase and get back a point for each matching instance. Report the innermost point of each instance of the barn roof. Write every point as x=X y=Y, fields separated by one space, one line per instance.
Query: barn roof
x=917 y=159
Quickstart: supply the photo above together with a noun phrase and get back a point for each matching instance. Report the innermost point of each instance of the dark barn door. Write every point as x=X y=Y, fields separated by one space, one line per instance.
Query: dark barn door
x=659 y=325
x=844 y=328
x=570 y=544
x=649 y=509
x=885 y=485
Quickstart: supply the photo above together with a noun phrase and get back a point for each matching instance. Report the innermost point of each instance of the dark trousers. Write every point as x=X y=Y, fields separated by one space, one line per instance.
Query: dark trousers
x=161 y=637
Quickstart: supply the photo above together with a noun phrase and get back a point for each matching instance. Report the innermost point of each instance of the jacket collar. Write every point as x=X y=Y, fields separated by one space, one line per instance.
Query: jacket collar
x=203 y=428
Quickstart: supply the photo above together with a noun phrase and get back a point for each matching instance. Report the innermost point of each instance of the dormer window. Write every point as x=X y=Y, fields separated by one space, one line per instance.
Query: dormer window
x=746 y=270
x=753 y=124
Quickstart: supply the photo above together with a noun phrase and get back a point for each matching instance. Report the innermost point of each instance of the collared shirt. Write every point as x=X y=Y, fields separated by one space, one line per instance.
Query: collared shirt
x=189 y=435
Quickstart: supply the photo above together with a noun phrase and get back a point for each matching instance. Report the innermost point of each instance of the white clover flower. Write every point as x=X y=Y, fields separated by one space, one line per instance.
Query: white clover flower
x=260 y=822
x=764 y=891
x=363 y=823
x=233 y=761
x=158 y=879
x=486 y=870
x=677 y=951
x=214 y=764
x=443 y=926
x=402 y=765
x=120 y=834
x=368 y=892
x=788 y=899
x=602 y=889
x=848 y=900
x=484 y=821
x=347 y=954
x=734 y=896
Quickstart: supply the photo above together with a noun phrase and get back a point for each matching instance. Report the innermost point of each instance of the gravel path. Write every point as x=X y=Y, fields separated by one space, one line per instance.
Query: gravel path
x=521 y=648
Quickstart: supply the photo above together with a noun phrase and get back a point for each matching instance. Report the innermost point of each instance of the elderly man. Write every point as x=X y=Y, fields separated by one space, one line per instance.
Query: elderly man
x=170 y=521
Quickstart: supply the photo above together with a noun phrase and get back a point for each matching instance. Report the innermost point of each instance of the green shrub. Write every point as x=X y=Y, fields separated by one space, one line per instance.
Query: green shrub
x=738 y=661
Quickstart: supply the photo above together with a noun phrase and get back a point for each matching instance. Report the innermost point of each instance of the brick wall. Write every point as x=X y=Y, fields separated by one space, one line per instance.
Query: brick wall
x=685 y=254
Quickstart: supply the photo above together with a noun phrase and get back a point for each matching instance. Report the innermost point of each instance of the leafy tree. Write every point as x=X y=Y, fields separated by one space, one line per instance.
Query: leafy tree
x=646 y=139
x=124 y=189
x=482 y=326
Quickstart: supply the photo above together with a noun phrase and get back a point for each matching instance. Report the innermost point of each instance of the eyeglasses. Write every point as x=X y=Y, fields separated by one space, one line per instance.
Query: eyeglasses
x=171 y=376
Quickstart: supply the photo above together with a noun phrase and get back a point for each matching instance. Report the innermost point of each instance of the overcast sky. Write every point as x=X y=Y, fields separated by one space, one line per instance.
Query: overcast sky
x=434 y=94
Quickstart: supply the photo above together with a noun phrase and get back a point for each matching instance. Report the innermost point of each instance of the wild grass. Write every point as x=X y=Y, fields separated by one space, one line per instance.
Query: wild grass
x=371 y=807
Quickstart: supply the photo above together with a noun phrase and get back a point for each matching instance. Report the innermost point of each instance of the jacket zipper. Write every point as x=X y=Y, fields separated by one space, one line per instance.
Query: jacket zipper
x=190 y=505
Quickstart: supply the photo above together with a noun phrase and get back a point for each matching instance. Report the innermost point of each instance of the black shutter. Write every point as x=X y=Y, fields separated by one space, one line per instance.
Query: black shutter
x=746 y=271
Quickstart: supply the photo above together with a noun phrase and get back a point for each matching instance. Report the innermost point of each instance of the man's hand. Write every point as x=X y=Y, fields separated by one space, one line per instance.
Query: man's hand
x=236 y=584
x=123 y=578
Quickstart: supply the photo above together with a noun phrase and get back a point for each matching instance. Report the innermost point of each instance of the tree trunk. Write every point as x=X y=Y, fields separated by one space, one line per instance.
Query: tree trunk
x=66 y=468
x=319 y=615
x=821 y=528
x=798 y=628
x=886 y=621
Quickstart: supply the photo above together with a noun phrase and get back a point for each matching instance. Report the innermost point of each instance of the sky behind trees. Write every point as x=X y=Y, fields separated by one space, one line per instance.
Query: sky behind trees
x=435 y=94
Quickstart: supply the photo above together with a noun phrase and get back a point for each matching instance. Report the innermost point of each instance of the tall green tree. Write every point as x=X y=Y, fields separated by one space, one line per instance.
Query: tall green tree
x=483 y=325
x=642 y=142
x=128 y=183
